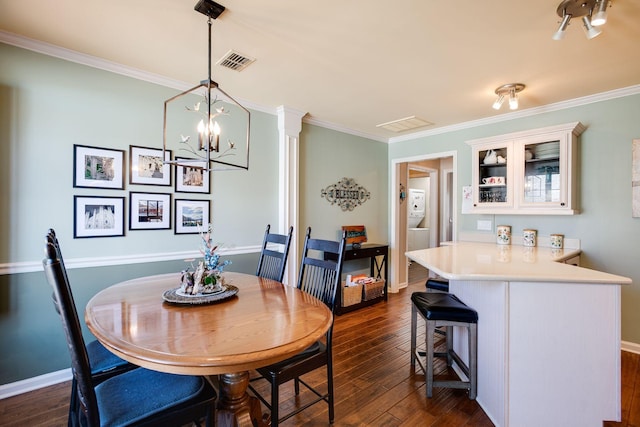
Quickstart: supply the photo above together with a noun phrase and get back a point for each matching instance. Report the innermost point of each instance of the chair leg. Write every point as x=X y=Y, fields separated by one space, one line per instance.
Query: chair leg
x=414 y=333
x=275 y=399
x=296 y=386
x=330 y=388
x=430 y=342
x=73 y=403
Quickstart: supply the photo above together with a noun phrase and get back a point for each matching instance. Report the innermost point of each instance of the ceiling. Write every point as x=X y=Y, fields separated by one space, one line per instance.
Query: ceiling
x=353 y=64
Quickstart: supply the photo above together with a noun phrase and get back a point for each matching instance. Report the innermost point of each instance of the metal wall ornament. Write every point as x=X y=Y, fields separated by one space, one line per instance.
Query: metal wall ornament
x=346 y=193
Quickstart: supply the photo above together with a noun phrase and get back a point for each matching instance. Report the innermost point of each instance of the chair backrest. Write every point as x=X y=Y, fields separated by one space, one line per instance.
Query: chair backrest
x=56 y=275
x=273 y=262
x=320 y=275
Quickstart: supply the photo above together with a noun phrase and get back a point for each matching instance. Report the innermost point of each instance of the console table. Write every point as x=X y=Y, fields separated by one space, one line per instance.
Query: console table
x=377 y=255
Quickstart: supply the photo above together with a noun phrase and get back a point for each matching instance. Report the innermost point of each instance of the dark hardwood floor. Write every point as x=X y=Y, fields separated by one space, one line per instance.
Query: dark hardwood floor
x=374 y=384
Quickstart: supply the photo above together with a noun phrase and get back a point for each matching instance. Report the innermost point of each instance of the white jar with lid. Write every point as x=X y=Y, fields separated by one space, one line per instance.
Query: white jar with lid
x=503 y=234
x=529 y=237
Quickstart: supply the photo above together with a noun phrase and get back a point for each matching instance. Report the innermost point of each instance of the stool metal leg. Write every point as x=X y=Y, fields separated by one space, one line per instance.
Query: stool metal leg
x=449 y=335
x=414 y=333
x=430 y=343
x=473 y=361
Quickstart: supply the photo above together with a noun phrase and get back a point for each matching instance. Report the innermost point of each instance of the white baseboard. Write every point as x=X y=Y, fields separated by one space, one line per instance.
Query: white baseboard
x=630 y=347
x=30 y=384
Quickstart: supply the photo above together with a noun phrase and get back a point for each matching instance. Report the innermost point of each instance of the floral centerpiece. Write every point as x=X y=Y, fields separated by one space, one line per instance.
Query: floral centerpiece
x=206 y=277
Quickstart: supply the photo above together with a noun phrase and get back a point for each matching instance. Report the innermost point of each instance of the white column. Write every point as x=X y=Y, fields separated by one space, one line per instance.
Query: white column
x=289 y=127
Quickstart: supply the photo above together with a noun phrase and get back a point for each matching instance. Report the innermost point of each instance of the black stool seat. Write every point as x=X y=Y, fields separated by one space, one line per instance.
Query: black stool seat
x=438 y=306
x=437 y=284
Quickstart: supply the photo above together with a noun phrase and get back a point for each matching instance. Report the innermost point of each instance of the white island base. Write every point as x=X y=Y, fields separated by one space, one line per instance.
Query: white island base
x=548 y=335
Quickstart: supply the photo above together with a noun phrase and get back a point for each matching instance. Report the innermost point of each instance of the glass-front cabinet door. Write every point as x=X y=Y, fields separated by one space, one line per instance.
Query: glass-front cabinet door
x=545 y=173
x=492 y=178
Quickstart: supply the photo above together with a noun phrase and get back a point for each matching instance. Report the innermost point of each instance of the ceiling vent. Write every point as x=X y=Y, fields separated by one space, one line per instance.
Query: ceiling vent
x=235 y=61
x=401 y=125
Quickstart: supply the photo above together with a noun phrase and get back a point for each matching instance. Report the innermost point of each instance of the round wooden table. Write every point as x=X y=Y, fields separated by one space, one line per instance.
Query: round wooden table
x=264 y=323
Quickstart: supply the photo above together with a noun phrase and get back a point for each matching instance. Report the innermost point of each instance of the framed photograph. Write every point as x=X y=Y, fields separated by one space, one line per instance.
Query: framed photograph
x=95 y=216
x=191 y=177
x=146 y=166
x=192 y=216
x=149 y=211
x=95 y=167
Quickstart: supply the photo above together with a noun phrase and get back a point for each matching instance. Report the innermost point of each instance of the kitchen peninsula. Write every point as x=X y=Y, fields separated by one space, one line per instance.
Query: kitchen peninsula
x=548 y=332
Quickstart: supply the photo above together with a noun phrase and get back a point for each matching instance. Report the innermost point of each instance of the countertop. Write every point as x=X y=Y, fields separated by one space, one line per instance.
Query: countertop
x=489 y=261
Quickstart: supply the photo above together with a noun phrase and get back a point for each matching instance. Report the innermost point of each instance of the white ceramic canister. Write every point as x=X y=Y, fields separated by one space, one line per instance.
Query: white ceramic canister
x=504 y=235
x=529 y=237
x=557 y=241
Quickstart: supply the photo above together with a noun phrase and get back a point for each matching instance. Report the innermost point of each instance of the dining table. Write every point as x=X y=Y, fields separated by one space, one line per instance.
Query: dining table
x=262 y=322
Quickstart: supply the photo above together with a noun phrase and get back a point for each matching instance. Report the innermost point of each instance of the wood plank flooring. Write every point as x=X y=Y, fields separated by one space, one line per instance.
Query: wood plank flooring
x=374 y=384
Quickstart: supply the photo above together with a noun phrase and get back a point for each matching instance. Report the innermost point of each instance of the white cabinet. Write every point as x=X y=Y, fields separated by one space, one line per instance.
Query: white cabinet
x=530 y=172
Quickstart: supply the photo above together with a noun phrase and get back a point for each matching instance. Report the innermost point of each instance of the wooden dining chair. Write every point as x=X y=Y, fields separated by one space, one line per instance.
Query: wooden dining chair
x=320 y=277
x=103 y=363
x=273 y=262
x=138 y=397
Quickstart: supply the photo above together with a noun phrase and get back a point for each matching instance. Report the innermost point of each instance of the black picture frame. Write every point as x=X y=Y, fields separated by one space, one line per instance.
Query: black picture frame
x=191 y=177
x=96 y=167
x=149 y=211
x=95 y=216
x=191 y=216
x=147 y=167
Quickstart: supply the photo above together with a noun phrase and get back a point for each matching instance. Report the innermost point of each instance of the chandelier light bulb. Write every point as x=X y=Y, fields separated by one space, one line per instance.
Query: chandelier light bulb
x=499 y=101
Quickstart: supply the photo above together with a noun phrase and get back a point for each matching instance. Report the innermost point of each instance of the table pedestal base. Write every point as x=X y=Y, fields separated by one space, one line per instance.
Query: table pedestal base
x=235 y=407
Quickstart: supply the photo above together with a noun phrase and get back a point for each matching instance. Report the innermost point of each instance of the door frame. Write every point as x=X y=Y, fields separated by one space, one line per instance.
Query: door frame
x=397 y=258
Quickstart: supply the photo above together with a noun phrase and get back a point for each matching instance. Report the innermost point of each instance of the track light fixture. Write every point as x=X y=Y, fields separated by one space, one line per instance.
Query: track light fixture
x=592 y=12
x=512 y=90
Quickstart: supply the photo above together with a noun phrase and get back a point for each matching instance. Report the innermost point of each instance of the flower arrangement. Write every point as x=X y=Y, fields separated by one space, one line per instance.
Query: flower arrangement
x=207 y=276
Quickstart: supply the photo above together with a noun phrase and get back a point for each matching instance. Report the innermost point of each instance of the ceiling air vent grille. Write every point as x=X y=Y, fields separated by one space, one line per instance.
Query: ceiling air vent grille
x=408 y=123
x=235 y=61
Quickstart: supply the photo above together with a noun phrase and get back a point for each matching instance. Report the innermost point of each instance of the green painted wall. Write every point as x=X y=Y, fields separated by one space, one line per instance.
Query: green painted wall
x=327 y=156
x=609 y=235
x=46 y=106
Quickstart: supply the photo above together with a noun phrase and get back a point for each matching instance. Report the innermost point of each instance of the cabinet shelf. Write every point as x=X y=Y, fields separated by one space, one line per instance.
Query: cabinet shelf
x=493 y=165
x=548 y=159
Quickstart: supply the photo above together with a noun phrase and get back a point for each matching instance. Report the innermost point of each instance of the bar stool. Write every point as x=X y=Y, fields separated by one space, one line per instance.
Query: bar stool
x=437 y=284
x=445 y=309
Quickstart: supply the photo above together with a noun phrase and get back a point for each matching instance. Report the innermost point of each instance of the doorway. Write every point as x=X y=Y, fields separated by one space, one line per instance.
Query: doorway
x=440 y=210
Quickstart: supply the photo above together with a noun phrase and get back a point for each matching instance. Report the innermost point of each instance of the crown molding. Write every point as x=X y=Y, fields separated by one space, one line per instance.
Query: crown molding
x=340 y=128
x=563 y=105
x=106 y=65
x=103 y=64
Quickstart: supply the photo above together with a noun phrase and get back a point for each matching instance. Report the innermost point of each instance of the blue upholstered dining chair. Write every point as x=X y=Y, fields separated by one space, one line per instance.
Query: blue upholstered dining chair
x=319 y=276
x=103 y=363
x=273 y=261
x=138 y=397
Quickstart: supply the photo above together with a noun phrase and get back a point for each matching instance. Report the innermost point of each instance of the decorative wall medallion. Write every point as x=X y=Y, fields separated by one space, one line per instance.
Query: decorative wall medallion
x=346 y=194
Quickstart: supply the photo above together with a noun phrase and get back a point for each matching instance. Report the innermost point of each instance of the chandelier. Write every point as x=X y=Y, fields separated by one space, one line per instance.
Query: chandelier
x=207 y=127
